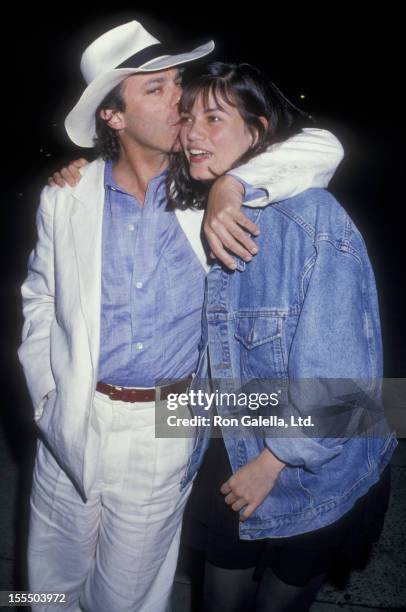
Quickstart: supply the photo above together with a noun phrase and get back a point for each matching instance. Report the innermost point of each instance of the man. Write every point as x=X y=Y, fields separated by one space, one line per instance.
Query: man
x=112 y=304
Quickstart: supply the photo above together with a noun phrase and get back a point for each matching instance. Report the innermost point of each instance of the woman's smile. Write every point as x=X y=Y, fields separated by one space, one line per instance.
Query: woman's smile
x=197 y=156
x=213 y=136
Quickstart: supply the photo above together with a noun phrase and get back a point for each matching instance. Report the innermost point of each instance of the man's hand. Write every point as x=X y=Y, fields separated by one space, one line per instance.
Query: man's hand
x=70 y=174
x=224 y=223
x=252 y=483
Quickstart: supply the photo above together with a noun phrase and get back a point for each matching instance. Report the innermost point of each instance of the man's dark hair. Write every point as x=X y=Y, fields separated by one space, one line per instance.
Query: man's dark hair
x=106 y=141
x=251 y=92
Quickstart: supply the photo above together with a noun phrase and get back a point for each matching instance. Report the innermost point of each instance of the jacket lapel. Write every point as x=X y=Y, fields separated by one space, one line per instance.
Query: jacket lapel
x=87 y=221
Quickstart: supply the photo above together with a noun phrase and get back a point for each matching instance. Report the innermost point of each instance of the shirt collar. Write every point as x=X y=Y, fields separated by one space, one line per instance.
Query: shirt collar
x=111 y=183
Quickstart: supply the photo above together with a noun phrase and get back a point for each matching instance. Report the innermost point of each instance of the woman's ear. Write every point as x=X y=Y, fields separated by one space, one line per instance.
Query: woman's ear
x=112 y=117
x=255 y=134
x=264 y=122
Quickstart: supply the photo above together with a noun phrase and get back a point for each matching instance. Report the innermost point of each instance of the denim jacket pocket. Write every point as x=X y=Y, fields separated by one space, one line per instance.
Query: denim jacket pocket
x=254 y=330
x=260 y=338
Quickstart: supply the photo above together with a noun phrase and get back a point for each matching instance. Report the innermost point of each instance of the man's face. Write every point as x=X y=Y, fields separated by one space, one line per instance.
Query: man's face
x=151 y=116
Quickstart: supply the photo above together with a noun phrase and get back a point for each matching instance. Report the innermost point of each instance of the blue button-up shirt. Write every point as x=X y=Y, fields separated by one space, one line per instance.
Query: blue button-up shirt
x=152 y=290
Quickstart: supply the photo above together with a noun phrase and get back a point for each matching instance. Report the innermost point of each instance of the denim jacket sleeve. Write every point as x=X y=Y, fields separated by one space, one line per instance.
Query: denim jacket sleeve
x=336 y=346
x=307 y=159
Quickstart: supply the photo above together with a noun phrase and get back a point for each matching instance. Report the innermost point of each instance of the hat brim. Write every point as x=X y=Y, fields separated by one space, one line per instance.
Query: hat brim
x=80 y=122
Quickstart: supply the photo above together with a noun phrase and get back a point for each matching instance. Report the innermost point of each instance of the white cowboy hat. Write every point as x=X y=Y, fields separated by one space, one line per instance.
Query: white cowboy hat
x=110 y=59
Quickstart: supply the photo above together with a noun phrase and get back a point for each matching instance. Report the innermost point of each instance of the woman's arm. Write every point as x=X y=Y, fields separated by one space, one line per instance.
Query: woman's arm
x=335 y=358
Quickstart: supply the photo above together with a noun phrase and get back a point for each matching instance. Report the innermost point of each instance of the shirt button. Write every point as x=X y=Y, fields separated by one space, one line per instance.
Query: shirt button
x=131 y=227
x=139 y=346
x=139 y=285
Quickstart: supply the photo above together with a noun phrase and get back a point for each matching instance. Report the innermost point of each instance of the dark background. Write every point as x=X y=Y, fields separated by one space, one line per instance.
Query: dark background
x=348 y=66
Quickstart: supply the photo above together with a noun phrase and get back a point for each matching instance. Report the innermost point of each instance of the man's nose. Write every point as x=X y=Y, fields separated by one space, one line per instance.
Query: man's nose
x=176 y=96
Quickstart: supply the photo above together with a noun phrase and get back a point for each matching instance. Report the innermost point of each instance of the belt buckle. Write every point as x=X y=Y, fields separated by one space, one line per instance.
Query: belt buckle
x=114 y=392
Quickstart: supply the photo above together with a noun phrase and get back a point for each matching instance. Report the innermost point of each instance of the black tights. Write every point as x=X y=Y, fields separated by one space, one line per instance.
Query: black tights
x=230 y=590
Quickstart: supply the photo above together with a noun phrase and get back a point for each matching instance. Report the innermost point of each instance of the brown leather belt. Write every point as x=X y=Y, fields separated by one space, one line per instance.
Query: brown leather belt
x=130 y=394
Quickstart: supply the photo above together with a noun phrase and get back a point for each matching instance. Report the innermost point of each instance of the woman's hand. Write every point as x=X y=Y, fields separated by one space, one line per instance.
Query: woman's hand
x=252 y=483
x=225 y=225
x=69 y=175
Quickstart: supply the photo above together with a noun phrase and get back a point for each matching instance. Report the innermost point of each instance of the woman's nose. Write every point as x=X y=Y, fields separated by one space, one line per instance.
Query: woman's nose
x=195 y=132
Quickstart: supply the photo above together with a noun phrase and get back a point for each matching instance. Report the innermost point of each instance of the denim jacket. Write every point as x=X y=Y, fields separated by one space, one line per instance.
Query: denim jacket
x=304 y=309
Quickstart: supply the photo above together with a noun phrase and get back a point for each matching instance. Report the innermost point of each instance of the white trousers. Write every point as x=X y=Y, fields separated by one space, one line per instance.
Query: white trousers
x=118 y=551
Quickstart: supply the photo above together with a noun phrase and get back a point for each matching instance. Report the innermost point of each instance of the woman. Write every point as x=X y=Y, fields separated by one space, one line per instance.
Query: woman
x=299 y=322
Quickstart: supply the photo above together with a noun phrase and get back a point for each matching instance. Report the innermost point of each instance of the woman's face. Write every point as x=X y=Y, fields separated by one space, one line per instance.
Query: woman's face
x=213 y=138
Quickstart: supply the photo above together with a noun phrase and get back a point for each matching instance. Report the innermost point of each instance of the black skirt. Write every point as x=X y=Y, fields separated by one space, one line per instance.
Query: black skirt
x=211 y=526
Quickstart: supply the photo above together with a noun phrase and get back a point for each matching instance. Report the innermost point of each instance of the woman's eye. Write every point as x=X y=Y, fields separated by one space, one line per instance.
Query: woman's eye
x=185 y=119
x=213 y=118
x=157 y=90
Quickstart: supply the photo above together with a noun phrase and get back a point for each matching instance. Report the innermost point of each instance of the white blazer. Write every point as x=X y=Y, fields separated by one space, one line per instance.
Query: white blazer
x=62 y=292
